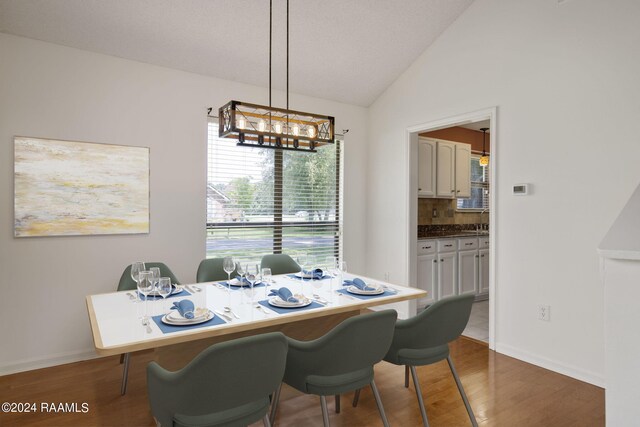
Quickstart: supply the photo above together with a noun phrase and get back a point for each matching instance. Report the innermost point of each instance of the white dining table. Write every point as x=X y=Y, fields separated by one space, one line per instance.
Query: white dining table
x=117 y=327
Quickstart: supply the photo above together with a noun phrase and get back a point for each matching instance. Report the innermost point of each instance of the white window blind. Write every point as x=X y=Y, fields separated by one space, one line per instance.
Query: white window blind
x=479 y=199
x=262 y=201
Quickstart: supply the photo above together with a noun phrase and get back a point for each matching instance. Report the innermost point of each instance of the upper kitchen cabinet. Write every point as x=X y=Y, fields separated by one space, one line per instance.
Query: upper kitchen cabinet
x=426 y=167
x=444 y=169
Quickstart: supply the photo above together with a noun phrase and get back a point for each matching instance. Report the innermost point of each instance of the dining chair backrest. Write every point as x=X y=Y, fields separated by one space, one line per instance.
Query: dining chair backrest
x=211 y=270
x=356 y=343
x=225 y=376
x=127 y=283
x=439 y=324
x=279 y=264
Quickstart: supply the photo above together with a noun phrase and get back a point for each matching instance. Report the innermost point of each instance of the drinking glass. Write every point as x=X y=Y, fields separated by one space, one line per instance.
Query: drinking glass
x=342 y=267
x=145 y=285
x=228 y=266
x=302 y=261
x=136 y=268
x=333 y=269
x=266 y=278
x=164 y=289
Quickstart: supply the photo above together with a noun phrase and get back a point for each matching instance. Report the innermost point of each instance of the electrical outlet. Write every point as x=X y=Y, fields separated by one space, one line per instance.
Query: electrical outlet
x=434 y=214
x=386 y=276
x=544 y=312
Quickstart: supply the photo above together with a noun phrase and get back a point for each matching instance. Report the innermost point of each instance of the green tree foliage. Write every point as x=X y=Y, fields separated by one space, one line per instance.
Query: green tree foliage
x=241 y=191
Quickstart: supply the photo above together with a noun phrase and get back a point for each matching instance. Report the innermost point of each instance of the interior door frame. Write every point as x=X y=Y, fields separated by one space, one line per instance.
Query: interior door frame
x=411 y=166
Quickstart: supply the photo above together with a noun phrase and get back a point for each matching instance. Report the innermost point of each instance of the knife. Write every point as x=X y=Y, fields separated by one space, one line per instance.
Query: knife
x=221 y=314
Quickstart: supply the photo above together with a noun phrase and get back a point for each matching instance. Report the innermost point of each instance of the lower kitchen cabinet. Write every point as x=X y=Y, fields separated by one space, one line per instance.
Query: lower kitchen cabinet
x=468 y=272
x=447 y=263
x=483 y=273
x=427 y=273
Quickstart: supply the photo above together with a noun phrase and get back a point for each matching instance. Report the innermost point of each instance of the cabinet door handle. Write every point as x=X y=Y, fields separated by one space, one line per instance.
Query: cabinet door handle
x=457 y=191
x=441 y=260
x=447 y=246
x=468 y=244
x=435 y=260
x=482 y=256
x=477 y=256
x=453 y=191
x=419 y=189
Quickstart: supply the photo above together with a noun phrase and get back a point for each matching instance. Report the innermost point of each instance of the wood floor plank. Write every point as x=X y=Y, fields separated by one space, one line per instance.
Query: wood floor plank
x=503 y=392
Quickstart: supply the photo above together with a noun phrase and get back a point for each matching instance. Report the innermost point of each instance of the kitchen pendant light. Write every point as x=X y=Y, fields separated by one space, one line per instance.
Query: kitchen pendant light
x=484 y=159
x=271 y=127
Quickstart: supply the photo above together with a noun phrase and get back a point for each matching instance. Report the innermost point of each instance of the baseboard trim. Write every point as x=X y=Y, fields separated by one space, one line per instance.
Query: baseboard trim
x=543 y=362
x=47 y=362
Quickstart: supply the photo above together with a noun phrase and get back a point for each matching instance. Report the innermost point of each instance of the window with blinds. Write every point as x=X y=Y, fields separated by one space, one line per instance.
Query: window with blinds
x=479 y=199
x=262 y=201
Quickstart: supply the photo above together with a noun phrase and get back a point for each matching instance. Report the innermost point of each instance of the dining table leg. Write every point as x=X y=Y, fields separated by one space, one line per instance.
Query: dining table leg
x=125 y=374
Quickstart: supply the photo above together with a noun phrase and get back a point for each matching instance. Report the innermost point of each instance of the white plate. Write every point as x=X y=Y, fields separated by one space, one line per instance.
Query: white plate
x=176 y=290
x=357 y=291
x=277 y=302
x=174 y=318
x=303 y=276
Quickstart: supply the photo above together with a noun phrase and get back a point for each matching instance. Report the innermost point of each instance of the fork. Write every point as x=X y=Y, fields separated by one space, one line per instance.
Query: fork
x=131 y=296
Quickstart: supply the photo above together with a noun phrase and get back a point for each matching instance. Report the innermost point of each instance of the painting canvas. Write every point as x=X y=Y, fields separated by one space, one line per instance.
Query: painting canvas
x=65 y=188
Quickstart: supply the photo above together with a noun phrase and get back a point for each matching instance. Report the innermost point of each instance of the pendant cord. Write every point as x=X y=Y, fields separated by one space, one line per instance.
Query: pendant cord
x=270 y=49
x=287 y=128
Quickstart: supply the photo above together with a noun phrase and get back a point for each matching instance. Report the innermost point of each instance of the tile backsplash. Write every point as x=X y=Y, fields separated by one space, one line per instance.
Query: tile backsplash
x=445 y=213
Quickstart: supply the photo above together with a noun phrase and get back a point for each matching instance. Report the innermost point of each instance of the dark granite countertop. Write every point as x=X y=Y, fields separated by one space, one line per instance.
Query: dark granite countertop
x=452 y=234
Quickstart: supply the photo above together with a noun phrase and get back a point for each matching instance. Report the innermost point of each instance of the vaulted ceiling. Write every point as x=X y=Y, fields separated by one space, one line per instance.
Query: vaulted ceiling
x=347 y=51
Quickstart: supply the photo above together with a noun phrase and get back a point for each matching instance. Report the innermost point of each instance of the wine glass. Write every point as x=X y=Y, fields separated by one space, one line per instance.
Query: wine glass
x=228 y=266
x=266 y=278
x=342 y=267
x=136 y=268
x=241 y=272
x=252 y=276
x=302 y=261
x=164 y=289
x=155 y=275
x=145 y=285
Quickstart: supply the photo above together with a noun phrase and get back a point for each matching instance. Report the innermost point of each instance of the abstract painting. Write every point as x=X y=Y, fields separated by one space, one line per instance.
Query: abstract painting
x=67 y=188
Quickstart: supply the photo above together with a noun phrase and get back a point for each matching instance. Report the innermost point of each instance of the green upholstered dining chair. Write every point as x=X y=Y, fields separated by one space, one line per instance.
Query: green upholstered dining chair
x=340 y=361
x=127 y=283
x=228 y=384
x=211 y=270
x=424 y=339
x=280 y=264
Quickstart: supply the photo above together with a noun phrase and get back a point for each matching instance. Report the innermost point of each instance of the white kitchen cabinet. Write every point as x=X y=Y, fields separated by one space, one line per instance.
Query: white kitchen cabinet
x=446 y=169
x=447 y=263
x=427 y=274
x=463 y=171
x=483 y=271
x=426 y=167
x=468 y=272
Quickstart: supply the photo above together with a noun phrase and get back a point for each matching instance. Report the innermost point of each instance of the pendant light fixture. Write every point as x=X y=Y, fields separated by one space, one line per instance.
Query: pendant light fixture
x=271 y=127
x=484 y=159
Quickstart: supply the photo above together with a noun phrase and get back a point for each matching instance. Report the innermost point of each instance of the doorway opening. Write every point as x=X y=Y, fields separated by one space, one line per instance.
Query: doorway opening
x=451 y=206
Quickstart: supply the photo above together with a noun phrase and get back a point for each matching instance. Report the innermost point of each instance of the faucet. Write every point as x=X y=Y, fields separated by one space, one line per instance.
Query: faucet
x=480 y=226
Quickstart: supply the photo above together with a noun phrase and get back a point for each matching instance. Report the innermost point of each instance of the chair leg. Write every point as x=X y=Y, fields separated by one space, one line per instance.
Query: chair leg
x=416 y=383
x=265 y=421
x=406 y=376
x=325 y=411
x=274 y=404
x=125 y=374
x=385 y=422
x=356 y=397
x=337 y=403
x=472 y=417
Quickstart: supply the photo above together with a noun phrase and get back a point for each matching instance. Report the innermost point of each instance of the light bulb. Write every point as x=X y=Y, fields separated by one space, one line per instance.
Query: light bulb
x=484 y=161
x=241 y=123
x=311 y=131
x=277 y=127
x=295 y=129
x=262 y=125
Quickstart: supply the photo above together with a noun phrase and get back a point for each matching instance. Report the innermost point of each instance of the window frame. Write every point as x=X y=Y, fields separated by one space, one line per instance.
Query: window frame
x=478 y=184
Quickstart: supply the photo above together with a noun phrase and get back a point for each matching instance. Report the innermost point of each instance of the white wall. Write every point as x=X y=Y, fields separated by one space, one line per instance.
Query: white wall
x=57 y=92
x=565 y=80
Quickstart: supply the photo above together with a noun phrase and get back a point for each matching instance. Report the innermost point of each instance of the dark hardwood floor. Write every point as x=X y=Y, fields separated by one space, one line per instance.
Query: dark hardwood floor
x=503 y=392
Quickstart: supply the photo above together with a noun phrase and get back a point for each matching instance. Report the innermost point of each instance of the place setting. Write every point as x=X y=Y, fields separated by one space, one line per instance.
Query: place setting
x=358 y=288
x=283 y=301
x=184 y=314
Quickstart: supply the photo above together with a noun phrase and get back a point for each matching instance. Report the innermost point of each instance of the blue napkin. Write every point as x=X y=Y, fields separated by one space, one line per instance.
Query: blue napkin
x=243 y=280
x=185 y=308
x=316 y=274
x=358 y=283
x=284 y=294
